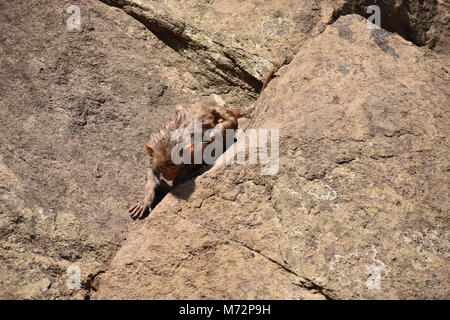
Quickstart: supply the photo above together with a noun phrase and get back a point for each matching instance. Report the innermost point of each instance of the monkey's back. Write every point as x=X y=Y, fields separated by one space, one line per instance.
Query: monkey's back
x=183 y=124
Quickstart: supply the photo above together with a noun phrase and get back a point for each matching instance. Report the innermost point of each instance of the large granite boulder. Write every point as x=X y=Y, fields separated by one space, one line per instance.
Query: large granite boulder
x=358 y=208
x=358 y=194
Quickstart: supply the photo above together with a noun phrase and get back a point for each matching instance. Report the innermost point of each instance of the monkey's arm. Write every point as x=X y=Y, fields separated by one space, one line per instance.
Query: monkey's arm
x=226 y=119
x=140 y=210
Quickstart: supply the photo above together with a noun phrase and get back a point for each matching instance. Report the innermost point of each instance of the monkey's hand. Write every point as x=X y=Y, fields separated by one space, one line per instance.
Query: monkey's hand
x=139 y=211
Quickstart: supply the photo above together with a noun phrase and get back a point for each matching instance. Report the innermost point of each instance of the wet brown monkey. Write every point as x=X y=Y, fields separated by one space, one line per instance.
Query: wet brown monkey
x=162 y=169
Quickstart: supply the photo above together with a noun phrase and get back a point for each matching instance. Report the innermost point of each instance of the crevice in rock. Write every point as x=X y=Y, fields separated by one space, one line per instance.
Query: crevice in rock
x=90 y=285
x=412 y=20
x=304 y=282
x=189 y=42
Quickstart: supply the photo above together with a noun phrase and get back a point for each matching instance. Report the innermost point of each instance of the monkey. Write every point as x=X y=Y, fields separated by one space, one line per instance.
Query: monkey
x=228 y=119
x=162 y=169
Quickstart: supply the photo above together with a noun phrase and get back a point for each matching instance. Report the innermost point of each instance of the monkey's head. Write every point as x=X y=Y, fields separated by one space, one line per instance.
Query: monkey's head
x=161 y=161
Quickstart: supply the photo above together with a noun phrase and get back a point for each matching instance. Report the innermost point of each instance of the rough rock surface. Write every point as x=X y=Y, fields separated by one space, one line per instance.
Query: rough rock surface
x=359 y=208
x=76 y=110
x=76 y=106
x=259 y=34
x=262 y=35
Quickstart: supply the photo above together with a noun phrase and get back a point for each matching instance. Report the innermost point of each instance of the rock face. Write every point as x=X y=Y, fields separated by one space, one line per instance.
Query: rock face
x=262 y=35
x=358 y=208
x=77 y=107
x=259 y=35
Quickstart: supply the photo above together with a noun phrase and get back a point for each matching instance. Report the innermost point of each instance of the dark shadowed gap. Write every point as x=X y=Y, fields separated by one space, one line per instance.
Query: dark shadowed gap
x=411 y=19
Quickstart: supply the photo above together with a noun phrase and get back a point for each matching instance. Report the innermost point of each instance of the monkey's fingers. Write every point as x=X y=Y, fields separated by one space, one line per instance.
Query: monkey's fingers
x=133 y=207
x=136 y=212
x=145 y=212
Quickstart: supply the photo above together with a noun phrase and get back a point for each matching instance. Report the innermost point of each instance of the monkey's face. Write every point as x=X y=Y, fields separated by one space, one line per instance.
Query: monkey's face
x=169 y=170
x=161 y=161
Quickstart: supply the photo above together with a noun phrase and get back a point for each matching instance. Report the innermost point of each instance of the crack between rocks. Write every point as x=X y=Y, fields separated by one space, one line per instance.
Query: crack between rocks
x=251 y=83
x=214 y=58
x=18 y=156
x=304 y=281
x=89 y=284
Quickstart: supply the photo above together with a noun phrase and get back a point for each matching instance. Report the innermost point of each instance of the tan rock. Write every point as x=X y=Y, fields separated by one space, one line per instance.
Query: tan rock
x=76 y=107
x=72 y=103
x=243 y=41
x=358 y=209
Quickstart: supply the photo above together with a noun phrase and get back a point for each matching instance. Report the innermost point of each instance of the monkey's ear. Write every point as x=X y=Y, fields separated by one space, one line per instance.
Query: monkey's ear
x=149 y=150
